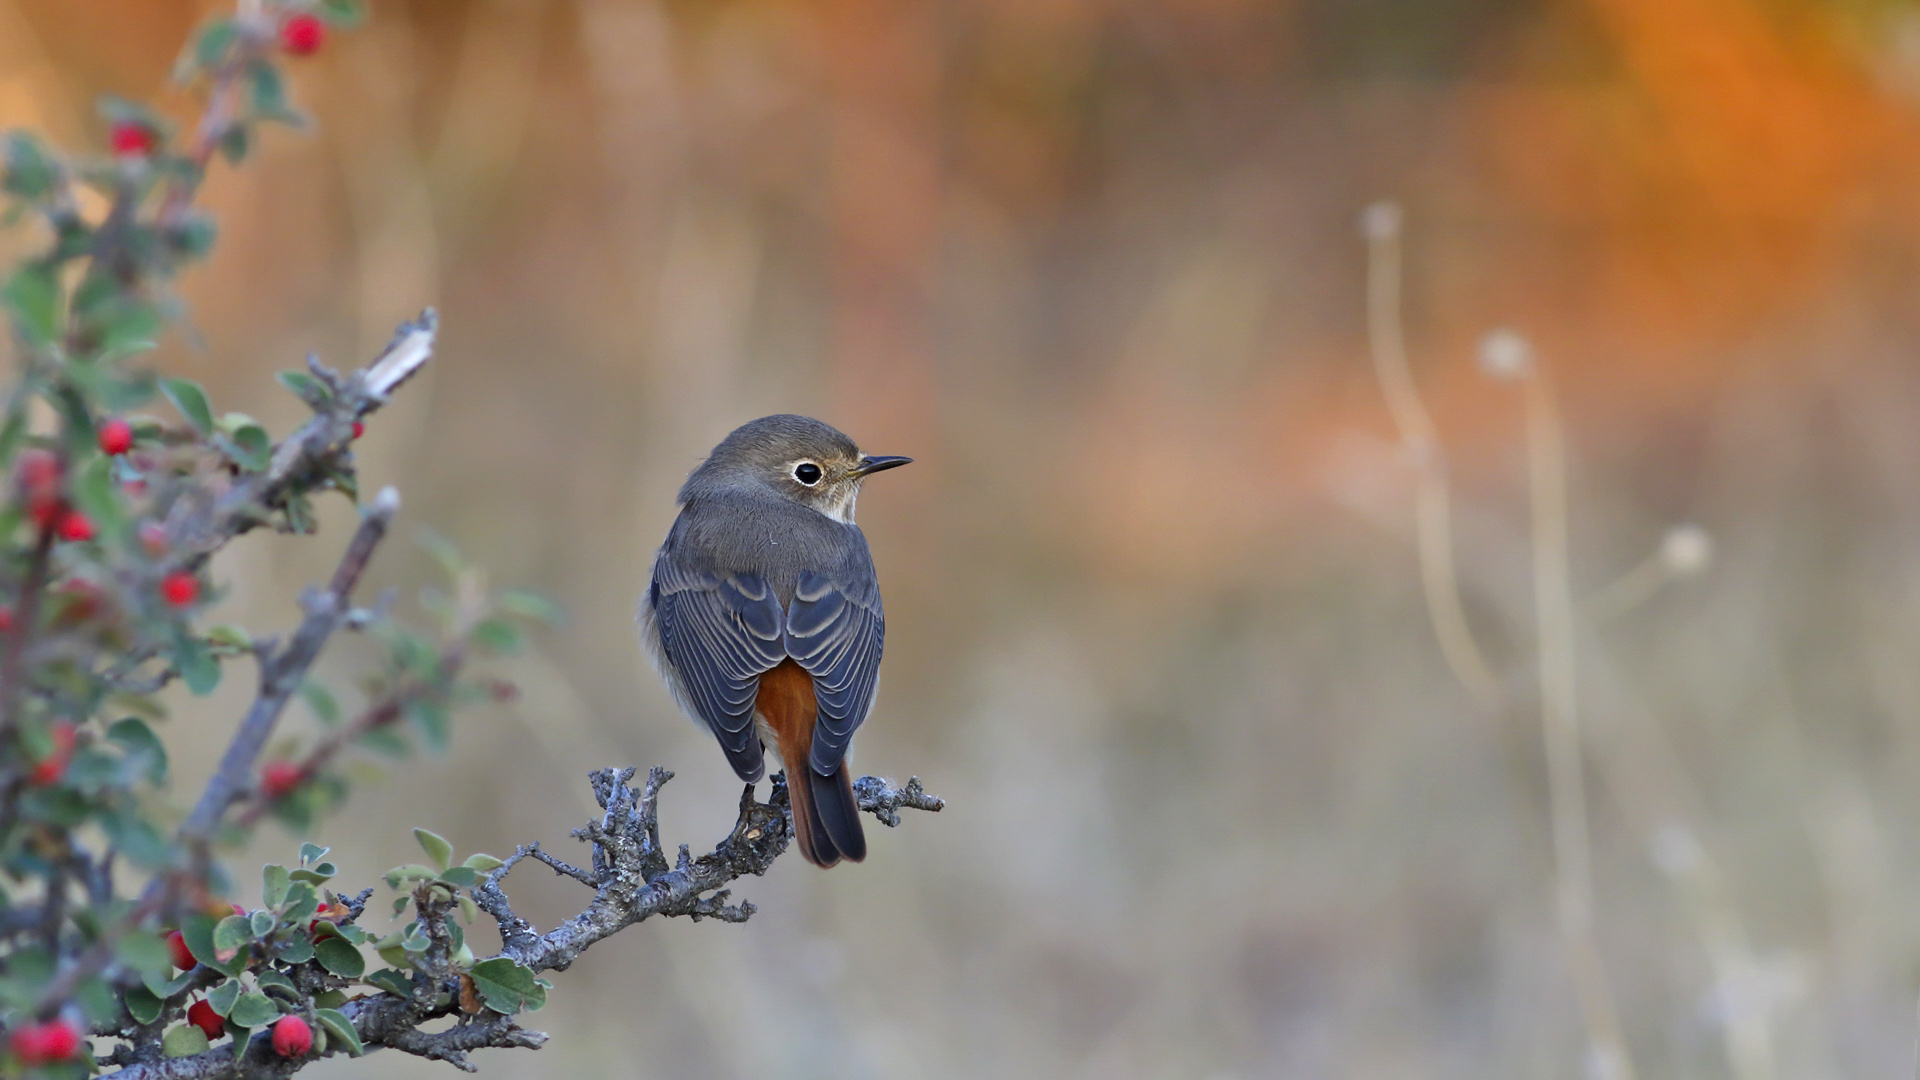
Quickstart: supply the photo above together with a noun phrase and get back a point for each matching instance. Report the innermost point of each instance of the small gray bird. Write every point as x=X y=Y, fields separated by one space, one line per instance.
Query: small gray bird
x=764 y=614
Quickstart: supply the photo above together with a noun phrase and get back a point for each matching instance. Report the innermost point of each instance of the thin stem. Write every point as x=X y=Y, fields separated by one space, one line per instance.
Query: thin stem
x=1560 y=720
x=1433 y=508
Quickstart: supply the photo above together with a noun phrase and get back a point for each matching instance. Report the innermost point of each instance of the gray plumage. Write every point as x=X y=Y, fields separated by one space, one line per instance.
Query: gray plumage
x=759 y=568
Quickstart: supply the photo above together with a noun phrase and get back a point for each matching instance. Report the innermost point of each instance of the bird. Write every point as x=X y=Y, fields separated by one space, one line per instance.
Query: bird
x=763 y=615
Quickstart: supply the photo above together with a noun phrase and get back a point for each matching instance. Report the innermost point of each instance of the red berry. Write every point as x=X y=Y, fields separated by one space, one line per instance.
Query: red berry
x=129 y=139
x=52 y=767
x=279 y=778
x=202 y=1016
x=303 y=35
x=45 y=1042
x=180 y=588
x=292 y=1037
x=359 y=429
x=39 y=471
x=238 y=909
x=177 y=950
x=47 y=512
x=75 y=526
x=6 y=618
x=116 y=436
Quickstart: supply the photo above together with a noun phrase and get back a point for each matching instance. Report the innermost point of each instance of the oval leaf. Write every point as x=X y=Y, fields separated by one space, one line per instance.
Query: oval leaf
x=254 y=1009
x=436 y=848
x=337 y=1026
x=183 y=1041
x=231 y=933
x=223 y=996
x=340 y=958
x=508 y=987
x=187 y=396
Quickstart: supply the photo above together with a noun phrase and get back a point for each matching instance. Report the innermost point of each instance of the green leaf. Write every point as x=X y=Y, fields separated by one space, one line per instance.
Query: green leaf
x=254 y=1009
x=508 y=987
x=262 y=922
x=183 y=1041
x=99 y=1001
x=32 y=299
x=164 y=988
x=392 y=980
x=142 y=1005
x=144 y=953
x=436 y=848
x=231 y=933
x=197 y=665
x=385 y=741
x=339 y=957
x=210 y=47
x=31 y=172
x=306 y=387
x=321 y=701
x=223 y=996
x=273 y=888
x=460 y=877
x=330 y=999
x=187 y=397
x=235 y=142
x=343 y=12
x=294 y=950
x=146 y=754
x=401 y=875
x=337 y=1026
x=485 y=864
x=250 y=447
x=198 y=930
x=275 y=984
x=136 y=837
x=267 y=91
x=302 y=901
x=430 y=718
x=192 y=236
x=498 y=635
x=229 y=636
x=530 y=605
x=309 y=851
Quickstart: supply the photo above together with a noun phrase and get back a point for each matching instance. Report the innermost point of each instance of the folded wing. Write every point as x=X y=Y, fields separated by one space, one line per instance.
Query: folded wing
x=835 y=630
x=721 y=632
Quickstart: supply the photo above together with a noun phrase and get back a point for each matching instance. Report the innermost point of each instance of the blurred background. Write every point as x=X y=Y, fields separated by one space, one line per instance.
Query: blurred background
x=1217 y=806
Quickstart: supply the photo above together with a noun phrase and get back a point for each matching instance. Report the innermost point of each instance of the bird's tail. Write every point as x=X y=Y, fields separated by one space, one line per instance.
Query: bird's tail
x=826 y=818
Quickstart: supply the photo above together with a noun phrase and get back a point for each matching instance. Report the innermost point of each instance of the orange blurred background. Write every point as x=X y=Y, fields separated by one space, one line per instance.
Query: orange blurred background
x=1217 y=807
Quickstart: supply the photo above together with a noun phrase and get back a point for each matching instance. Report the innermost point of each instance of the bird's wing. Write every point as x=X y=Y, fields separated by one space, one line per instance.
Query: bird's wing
x=835 y=630
x=720 y=632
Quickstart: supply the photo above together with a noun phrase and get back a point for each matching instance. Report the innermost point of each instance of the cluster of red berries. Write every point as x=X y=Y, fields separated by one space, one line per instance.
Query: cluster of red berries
x=292 y=1036
x=300 y=35
x=45 y=1043
x=41 y=476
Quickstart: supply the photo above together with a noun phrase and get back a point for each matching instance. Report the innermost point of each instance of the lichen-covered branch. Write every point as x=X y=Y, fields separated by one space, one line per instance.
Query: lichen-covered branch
x=633 y=880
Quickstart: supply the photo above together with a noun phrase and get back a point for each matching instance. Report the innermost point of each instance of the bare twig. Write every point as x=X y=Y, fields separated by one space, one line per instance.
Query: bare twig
x=282 y=673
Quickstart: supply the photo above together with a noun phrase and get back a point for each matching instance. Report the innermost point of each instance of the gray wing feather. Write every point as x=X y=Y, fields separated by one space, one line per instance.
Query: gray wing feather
x=720 y=633
x=836 y=630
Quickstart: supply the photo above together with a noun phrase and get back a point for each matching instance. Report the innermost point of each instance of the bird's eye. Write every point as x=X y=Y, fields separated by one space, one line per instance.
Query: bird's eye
x=807 y=473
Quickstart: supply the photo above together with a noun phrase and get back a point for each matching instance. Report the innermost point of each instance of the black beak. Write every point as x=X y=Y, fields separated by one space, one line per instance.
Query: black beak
x=874 y=463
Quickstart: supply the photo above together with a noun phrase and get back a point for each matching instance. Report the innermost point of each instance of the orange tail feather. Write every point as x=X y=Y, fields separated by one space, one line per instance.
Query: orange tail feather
x=826 y=819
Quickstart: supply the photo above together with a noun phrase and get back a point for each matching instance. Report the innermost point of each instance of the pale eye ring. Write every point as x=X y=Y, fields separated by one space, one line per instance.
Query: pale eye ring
x=807 y=473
